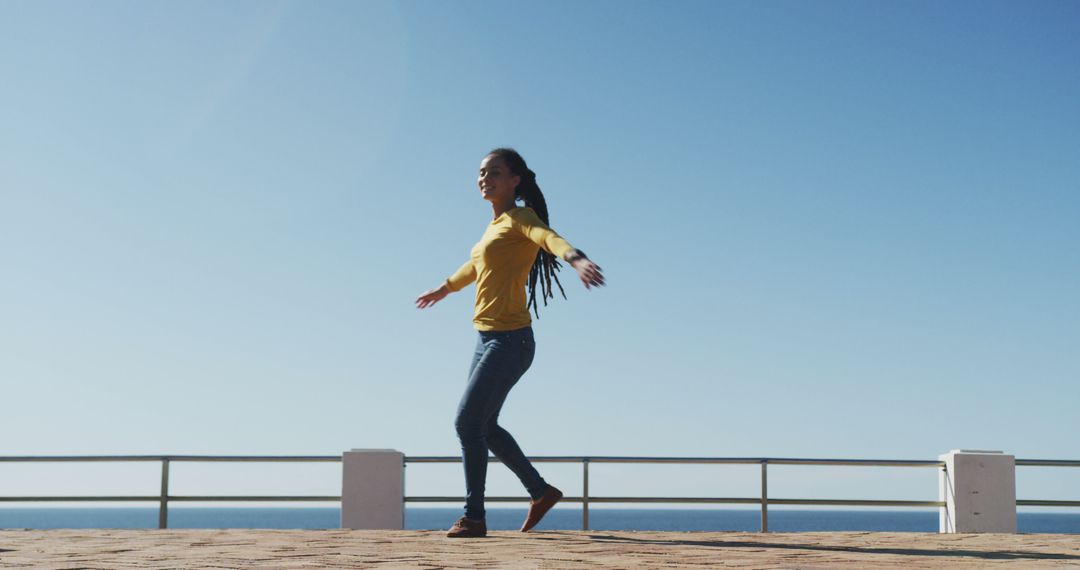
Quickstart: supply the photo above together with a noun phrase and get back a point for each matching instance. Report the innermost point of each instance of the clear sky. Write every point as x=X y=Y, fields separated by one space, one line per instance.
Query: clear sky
x=830 y=229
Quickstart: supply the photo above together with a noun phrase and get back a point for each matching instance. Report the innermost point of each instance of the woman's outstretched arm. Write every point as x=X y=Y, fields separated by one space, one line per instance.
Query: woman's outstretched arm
x=528 y=223
x=463 y=276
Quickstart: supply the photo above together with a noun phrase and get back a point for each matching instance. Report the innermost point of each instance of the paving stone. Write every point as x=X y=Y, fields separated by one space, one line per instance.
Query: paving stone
x=336 y=548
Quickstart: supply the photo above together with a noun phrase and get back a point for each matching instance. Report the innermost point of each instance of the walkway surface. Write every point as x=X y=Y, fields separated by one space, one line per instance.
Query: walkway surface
x=247 y=548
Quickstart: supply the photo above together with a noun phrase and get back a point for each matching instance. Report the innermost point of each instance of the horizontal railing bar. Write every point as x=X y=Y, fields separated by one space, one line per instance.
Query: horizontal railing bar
x=327 y=498
x=679 y=460
x=859 y=462
x=157 y=498
x=579 y=459
x=593 y=499
x=296 y=458
x=153 y=498
x=1049 y=462
x=729 y=500
x=283 y=458
x=856 y=502
x=549 y=459
x=1045 y=503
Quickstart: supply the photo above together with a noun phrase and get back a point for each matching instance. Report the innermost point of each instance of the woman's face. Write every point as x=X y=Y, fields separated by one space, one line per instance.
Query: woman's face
x=496 y=182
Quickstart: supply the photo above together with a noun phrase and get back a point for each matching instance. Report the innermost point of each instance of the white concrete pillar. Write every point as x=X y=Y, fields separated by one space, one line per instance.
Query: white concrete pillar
x=373 y=489
x=979 y=491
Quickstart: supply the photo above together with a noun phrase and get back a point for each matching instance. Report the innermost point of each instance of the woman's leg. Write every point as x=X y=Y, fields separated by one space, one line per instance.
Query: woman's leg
x=503 y=445
x=474 y=462
x=500 y=360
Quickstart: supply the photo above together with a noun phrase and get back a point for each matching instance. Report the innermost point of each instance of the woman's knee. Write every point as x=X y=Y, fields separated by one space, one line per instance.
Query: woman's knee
x=494 y=432
x=469 y=428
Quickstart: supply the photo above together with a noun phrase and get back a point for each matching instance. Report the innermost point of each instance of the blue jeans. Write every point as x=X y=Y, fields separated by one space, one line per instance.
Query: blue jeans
x=500 y=359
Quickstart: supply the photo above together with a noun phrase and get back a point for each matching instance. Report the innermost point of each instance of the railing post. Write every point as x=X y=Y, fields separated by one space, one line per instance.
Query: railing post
x=979 y=491
x=764 y=495
x=373 y=489
x=585 y=494
x=163 y=510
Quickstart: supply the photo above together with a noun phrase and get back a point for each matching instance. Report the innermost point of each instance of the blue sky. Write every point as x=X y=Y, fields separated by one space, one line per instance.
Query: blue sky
x=830 y=229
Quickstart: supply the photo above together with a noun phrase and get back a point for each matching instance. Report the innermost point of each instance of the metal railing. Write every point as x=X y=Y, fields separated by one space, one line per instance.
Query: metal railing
x=1046 y=463
x=164 y=498
x=764 y=500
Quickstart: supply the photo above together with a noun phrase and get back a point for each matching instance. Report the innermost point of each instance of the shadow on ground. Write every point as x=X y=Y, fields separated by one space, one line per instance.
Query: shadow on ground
x=983 y=554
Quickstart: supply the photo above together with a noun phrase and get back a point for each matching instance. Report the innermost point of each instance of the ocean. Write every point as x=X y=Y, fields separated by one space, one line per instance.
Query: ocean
x=429 y=518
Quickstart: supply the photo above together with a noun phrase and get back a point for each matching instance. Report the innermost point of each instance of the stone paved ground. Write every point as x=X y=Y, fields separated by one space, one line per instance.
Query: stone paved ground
x=247 y=548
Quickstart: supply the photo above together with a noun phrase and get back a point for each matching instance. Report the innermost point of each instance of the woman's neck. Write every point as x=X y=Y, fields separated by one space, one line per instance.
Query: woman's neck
x=500 y=209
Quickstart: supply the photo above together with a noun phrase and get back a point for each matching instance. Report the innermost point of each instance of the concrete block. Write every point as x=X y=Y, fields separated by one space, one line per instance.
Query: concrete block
x=979 y=489
x=373 y=489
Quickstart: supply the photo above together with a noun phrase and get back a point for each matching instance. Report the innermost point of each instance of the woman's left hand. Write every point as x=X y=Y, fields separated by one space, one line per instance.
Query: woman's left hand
x=588 y=271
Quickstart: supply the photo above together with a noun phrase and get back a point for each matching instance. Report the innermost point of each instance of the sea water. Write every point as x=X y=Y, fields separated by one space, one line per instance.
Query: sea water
x=429 y=518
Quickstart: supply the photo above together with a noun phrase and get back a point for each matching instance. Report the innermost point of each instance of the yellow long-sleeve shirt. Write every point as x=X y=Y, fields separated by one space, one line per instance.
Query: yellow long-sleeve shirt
x=500 y=262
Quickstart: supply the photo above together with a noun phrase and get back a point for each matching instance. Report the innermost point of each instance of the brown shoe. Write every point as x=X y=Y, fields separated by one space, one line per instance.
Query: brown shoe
x=539 y=507
x=467 y=528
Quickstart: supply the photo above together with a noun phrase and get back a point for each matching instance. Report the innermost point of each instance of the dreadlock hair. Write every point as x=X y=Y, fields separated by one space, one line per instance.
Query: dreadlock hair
x=546 y=265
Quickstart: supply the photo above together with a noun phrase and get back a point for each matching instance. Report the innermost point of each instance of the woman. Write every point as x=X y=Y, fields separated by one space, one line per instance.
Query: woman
x=517 y=250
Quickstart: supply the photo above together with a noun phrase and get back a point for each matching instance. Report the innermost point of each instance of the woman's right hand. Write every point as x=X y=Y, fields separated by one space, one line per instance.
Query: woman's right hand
x=431 y=297
x=588 y=271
